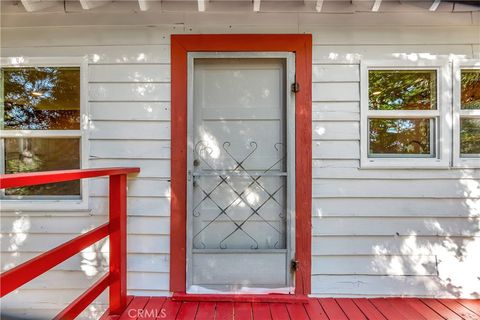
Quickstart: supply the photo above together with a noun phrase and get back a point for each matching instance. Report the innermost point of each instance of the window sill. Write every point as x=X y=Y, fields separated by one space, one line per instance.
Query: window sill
x=12 y=205
x=467 y=163
x=404 y=163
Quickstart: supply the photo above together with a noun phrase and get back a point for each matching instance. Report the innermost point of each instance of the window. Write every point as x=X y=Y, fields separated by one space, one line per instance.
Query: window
x=40 y=123
x=404 y=112
x=467 y=113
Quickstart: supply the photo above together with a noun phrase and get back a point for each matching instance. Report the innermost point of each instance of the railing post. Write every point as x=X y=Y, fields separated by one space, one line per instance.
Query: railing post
x=118 y=243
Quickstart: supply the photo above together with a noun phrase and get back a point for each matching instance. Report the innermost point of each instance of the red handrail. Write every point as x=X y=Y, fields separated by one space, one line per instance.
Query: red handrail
x=116 y=229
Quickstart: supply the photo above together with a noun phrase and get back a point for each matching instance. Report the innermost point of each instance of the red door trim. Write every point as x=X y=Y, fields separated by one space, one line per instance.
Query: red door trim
x=301 y=44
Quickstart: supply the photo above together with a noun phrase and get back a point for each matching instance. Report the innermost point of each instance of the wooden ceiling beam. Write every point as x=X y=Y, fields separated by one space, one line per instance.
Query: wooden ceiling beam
x=202 y=5
x=435 y=5
x=90 y=4
x=36 y=5
x=376 y=5
x=144 y=5
x=319 y=5
x=256 y=5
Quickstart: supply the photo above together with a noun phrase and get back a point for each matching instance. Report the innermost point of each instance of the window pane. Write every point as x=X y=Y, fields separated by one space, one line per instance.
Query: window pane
x=470 y=89
x=43 y=154
x=400 y=136
x=470 y=136
x=402 y=89
x=46 y=98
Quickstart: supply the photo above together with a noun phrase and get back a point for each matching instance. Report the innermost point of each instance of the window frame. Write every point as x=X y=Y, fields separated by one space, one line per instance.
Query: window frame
x=458 y=113
x=441 y=115
x=51 y=203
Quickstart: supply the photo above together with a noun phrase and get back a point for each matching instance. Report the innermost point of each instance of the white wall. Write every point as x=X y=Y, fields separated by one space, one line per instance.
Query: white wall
x=375 y=232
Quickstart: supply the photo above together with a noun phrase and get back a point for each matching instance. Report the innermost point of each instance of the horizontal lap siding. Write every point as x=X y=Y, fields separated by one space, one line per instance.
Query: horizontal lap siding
x=383 y=232
x=129 y=111
x=375 y=232
x=130 y=107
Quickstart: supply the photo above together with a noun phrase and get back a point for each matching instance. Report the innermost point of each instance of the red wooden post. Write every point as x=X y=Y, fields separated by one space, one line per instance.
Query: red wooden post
x=118 y=243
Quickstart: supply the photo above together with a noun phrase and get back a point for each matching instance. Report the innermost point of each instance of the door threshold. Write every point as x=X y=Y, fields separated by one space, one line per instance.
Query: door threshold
x=273 y=298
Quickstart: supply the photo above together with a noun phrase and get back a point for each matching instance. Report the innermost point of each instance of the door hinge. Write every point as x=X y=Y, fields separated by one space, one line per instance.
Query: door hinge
x=295 y=87
x=294 y=264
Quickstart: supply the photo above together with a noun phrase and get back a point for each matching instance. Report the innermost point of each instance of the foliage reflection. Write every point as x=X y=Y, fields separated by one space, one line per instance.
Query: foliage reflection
x=41 y=98
x=400 y=136
x=402 y=89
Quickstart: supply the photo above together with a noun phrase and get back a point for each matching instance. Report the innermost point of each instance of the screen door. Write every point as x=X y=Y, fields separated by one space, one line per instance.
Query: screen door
x=240 y=178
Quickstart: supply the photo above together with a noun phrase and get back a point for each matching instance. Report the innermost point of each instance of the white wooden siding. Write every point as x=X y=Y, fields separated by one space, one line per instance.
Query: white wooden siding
x=375 y=232
x=130 y=111
x=380 y=232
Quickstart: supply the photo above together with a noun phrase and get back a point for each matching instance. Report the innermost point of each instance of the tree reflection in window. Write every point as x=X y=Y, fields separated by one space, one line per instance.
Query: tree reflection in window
x=470 y=124
x=41 y=98
x=470 y=136
x=400 y=136
x=47 y=99
x=402 y=89
x=43 y=154
x=392 y=94
x=470 y=96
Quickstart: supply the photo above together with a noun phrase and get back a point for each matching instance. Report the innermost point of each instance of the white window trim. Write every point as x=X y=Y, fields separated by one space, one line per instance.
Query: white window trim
x=16 y=205
x=443 y=115
x=458 y=65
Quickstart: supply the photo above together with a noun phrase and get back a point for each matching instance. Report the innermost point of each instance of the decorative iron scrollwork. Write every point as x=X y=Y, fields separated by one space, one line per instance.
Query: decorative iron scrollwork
x=202 y=152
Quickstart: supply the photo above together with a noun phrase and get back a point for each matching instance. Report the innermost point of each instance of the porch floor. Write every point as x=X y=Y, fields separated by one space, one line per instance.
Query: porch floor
x=143 y=308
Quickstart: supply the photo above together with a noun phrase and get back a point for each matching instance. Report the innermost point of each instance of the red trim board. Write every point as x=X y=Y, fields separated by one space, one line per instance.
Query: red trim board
x=301 y=45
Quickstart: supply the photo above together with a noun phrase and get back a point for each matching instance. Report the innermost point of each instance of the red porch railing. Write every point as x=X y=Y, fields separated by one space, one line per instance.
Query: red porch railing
x=115 y=228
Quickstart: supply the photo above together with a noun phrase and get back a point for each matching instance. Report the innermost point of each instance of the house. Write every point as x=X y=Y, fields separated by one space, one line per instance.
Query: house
x=285 y=149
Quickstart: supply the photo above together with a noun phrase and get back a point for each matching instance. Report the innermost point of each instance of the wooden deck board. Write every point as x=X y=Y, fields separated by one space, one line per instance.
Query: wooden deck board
x=261 y=311
x=369 y=309
x=206 y=311
x=423 y=309
x=138 y=303
x=350 y=309
x=406 y=310
x=153 y=308
x=441 y=309
x=243 y=310
x=387 y=309
x=224 y=311
x=188 y=311
x=315 y=310
x=332 y=309
x=279 y=311
x=459 y=309
x=297 y=311
x=473 y=305
x=149 y=308
x=170 y=310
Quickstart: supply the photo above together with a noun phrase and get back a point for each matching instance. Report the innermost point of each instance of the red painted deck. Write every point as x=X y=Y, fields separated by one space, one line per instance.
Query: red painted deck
x=141 y=308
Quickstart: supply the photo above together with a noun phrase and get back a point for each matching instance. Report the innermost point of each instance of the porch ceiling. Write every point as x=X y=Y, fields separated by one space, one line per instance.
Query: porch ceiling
x=287 y=16
x=230 y=6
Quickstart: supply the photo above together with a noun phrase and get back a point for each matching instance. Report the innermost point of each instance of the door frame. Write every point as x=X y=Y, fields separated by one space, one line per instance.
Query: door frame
x=181 y=45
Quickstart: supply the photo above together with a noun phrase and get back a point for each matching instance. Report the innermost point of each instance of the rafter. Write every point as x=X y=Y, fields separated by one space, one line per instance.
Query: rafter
x=256 y=5
x=90 y=4
x=36 y=5
x=319 y=5
x=376 y=5
x=144 y=5
x=435 y=5
x=202 y=5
